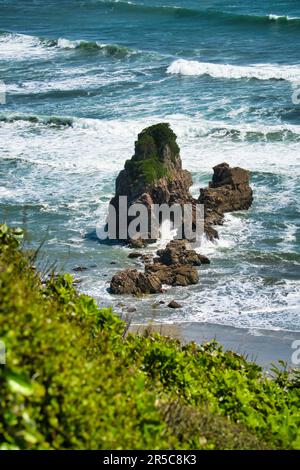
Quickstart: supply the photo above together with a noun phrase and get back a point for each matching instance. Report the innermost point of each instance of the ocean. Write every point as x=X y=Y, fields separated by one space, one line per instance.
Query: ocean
x=83 y=78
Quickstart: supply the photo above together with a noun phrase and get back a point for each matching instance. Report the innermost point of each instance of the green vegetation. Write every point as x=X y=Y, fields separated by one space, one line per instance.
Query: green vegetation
x=74 y=378
x=148 y=162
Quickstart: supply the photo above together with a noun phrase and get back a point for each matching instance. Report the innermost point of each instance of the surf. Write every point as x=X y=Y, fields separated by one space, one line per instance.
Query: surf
x=235 y=72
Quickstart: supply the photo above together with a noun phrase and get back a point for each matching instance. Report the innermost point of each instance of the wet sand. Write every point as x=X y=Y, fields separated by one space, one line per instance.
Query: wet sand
x=262 y=346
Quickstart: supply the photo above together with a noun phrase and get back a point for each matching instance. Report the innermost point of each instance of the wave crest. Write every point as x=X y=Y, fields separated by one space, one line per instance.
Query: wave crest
x=114 y=50
x=258 y=71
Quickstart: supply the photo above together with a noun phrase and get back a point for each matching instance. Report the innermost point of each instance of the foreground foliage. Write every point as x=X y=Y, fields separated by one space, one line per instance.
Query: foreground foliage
x=74 y=379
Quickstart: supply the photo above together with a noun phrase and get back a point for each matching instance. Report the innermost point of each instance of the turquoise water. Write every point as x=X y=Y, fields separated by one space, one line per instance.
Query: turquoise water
x=84 y=77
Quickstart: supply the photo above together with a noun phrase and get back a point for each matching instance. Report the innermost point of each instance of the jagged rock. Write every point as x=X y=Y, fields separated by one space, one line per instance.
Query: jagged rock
x=175 y=275
x=225 y=175
x=228 y=191
x=178 y=252
x=135 y=255
x=131 y=281
x=154 y=175
x=136 y=243
x=174 y=304
x=174 y=266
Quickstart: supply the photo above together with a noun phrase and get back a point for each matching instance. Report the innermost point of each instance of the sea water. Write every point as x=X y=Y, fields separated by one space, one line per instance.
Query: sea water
x=82 y=78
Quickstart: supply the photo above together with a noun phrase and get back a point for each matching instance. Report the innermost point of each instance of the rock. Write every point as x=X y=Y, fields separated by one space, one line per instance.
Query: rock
x=225 y=175
x=147 y=258
x=174 y=304
x=175 y=275
x=135 y=255
x=131 y=281
x=179 y=252
x=228 y=191
x=113 y=262
x=131 y=310
x=154 y=175
x=174 y=266
x=79 y=269
x=136 y=243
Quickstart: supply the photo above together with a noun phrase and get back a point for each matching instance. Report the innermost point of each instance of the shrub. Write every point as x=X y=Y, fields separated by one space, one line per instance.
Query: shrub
x=74 y=380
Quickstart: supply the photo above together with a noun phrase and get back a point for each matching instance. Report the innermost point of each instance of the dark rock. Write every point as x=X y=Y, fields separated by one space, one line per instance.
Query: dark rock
x=174 y=304
x=131 y=310
x=225 y=175
x=154 y=175
x=79 y=269
x=228 y=191
x=136 y=243
x=178 y=252
x=147 y=258
x=131 y=281
x=175 y=275
x=134 y=255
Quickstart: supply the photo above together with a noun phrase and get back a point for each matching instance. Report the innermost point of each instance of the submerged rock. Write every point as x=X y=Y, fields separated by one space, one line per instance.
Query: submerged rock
x=174 y=304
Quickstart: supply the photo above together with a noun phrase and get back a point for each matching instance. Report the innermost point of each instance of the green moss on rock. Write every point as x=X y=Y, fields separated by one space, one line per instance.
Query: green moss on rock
x=148 y=161
x=148 y=170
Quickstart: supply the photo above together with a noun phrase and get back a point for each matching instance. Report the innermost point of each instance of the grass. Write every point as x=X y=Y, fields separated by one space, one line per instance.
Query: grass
x=75 y=379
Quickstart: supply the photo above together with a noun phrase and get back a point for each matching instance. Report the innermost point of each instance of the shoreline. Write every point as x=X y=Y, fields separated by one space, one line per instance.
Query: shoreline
x=261 y=346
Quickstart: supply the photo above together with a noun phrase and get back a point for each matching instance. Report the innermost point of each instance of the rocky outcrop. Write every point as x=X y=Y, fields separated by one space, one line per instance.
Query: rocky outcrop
x=178 y=252
x=228 y=191
x=131 y=281
x=174 y=266
x=176 y=275
x=154 y=175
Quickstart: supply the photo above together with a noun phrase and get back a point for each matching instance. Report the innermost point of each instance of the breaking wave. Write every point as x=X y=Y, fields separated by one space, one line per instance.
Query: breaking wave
x=257 y=71
x=23 y=46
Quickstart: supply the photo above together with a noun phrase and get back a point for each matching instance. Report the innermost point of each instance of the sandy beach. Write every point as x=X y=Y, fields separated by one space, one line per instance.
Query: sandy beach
x=262 y=346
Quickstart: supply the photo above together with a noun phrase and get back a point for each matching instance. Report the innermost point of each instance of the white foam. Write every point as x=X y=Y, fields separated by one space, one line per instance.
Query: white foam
x=258 y=71
x=22 y=46
x=106 y=144
x=283 y=17
x=74 y=81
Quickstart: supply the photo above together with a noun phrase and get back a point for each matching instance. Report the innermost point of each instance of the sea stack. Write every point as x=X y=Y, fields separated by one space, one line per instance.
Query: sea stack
x=154 y=174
